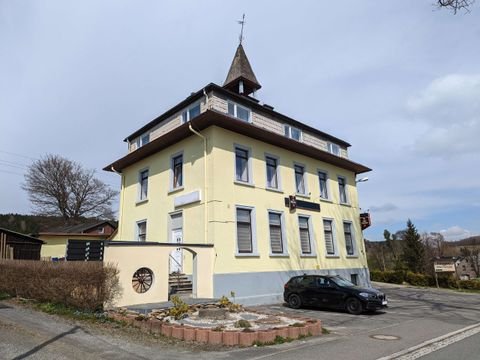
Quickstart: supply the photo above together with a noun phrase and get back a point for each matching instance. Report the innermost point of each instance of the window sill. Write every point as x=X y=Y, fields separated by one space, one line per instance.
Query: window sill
x=279 y=255
x=332 y=256
x=352 y=256
x=304 y=196
x=243 y=183
x=280 y=191
x=308 y=255
x=140 y=202
x=172 y=191
x=346 y=204
x=247 y=255
x=326 y=200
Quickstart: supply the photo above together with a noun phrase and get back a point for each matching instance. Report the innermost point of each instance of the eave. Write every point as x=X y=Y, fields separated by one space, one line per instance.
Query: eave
x=214 y=118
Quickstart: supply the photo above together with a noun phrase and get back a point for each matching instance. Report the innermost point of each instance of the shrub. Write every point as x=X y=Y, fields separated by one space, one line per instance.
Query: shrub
x=469 y=284
x=417 y=279
x=82 y=285
x=242 y=324
x=179 y=309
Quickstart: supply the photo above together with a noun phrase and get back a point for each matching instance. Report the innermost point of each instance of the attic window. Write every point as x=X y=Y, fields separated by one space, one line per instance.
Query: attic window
x=239 y=111
x=192 y=112
x=334 y=149
x=143 y=140
x=293 y=133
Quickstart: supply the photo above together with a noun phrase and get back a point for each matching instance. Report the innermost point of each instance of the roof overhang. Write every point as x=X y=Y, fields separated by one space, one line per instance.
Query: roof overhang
x=214 y=118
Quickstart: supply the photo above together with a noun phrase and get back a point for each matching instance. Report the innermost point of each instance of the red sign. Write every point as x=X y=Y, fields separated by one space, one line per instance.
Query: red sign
x=293 y=202
x=365 y=221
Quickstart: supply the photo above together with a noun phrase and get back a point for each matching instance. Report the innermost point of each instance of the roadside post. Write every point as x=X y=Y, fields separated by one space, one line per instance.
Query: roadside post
x=443 y=267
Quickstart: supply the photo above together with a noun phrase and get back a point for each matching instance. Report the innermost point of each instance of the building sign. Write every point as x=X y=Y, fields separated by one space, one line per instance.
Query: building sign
x=449 y=267
x=293 y=203
x=365 y=220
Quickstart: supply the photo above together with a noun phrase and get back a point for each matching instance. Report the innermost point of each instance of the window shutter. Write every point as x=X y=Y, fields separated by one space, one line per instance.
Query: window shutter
x=244 y=231
x=327 y=227
x=275 y=233
x=304 y=235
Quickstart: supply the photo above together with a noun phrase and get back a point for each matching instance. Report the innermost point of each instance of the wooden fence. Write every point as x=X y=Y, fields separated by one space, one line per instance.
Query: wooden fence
x=6 y=251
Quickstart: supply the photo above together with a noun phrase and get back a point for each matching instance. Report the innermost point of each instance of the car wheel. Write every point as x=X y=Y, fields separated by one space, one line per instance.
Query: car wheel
x=294 y=301
x=354 y=306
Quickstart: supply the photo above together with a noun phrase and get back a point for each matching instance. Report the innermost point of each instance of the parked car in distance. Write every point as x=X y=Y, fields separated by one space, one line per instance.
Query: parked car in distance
x=332 y=291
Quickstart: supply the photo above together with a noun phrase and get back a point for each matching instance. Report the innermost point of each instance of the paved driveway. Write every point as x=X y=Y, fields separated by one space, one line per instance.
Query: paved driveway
x=414 y=316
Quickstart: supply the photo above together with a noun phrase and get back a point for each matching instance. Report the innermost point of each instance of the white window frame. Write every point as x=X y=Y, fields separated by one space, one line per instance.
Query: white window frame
x=331 y=146
x=170 y=226
x=253 y=224
x=277 y=172
x=352 y=234
x=249 y=165
x=171 y=186
x=139 y=186
x=283 y=232
x=287 y=131
x=347 y=198
x=186 y=113
x=235 y=111
x=313 y=247
x=334 y=238
x=327 y=185
x=304 y=177
x=137 y=228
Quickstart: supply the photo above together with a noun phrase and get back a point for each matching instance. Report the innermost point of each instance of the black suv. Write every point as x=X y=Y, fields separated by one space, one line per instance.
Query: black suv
x=332 y=292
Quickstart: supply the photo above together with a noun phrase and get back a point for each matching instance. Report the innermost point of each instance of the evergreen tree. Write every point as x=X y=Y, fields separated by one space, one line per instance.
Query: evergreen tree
x=413 y=251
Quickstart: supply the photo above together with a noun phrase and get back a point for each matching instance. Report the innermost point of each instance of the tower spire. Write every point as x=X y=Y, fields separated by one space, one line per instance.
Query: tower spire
x=241 y=22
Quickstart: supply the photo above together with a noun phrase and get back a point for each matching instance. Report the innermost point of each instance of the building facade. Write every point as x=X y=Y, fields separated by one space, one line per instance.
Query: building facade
x=274 y=197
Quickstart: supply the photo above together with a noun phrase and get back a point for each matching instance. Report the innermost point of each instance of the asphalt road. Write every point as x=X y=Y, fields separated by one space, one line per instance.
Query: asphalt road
x=415 y=316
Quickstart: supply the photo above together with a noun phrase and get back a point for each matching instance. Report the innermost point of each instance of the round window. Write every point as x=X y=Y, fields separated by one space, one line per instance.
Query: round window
x=142 y=280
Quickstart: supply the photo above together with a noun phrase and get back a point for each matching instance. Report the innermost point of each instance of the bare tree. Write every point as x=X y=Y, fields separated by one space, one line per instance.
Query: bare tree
x=455 y=5
x=472 y=254
x=58 y=186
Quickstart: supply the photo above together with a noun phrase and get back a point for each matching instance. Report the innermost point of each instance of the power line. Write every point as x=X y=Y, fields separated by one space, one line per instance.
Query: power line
x=16 y=154
x=10 y=172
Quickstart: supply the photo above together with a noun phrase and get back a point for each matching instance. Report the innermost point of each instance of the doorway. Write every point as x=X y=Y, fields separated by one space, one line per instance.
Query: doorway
x=176 y=237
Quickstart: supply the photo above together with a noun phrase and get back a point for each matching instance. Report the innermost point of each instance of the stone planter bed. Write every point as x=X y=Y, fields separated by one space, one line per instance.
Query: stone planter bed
x=212 y=324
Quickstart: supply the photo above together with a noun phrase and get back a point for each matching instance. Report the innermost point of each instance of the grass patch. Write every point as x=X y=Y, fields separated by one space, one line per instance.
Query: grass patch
x=71 y=312
x=278 y=340
x=325 y=331
x=4 y=296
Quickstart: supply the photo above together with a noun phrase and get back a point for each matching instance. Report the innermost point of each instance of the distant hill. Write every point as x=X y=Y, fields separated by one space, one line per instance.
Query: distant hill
x=472 y=240
x=33 y=224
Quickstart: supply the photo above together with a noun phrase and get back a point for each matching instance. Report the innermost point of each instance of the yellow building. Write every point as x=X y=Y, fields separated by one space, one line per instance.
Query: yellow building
x=275 y=197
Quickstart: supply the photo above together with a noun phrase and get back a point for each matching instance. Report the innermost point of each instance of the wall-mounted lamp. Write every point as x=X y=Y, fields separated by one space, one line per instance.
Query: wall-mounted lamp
x=362 y=179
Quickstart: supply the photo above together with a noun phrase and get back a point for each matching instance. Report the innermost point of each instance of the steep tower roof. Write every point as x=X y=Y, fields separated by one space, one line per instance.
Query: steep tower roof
x=241 y=78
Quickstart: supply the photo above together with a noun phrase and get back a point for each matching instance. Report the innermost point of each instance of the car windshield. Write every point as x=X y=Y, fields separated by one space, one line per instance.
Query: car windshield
x=342 y=282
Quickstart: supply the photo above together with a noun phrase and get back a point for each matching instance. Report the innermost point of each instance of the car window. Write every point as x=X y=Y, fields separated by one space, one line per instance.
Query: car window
x=323 y=282
x=307 y=281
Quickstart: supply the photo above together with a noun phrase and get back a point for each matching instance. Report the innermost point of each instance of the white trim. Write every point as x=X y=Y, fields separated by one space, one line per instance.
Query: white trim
x=235 y=111
x=327 y=182
x=311 y=236
x=170 y=228
x=170 y=186
x=139 y=185
x=249 y=165
x=288 y=129
x=187 y=111
x=346 y=190
x=284 y=253
x=331 y=146
x=136 y=229
x=253 y=225
x=334 y=238
x=305 y=182
x=277 y=172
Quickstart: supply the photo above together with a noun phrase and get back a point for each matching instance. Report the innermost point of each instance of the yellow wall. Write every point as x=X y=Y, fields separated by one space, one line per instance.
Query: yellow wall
x=224 y=194
x=56 y=245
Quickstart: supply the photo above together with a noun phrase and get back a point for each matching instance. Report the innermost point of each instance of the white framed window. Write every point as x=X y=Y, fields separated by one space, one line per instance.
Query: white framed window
x=328 y=233
x=176 y=171
x=300 y=183
x=243 y=164
x=272 y=171
x=349 y=238
x=293 y=132
x=142 y=185
x=342 y=189
x=306 y=239
x=191 y=112
x=278 y=244
x=141 y=230
x=246 y=233
x=334 y=149
x=142 y=140
x=323 y=183
x=240 y=112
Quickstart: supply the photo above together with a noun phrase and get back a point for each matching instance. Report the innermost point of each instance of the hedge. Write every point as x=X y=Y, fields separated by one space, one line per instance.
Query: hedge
x=83 y=285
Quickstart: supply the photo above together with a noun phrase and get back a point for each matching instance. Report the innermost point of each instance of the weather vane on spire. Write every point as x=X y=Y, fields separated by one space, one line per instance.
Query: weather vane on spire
x=241 y=22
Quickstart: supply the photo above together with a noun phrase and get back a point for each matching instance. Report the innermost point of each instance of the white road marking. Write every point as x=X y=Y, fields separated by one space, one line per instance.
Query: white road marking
x=432 y=345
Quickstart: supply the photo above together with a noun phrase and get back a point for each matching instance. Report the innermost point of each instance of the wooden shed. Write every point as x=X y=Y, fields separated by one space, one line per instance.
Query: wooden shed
x=24 y=247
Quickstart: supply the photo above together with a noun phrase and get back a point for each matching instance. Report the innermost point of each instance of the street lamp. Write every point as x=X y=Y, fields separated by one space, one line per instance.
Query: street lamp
x=362 y=179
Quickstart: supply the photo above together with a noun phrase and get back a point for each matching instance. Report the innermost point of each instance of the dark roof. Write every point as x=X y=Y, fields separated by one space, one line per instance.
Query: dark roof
x=22 y=236
x=241 y=70
x=243 y=100
x=79 y=228
x=215 y=118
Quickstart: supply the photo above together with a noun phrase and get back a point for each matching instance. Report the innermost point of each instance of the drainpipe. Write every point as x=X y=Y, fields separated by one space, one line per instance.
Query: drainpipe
x=121 y=200
x=205 y=191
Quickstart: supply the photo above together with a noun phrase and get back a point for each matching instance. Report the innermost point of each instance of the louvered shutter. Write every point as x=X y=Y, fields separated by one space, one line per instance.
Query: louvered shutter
x=304 y=235
x=327 y=228
x=275 y=233
x=244 y=231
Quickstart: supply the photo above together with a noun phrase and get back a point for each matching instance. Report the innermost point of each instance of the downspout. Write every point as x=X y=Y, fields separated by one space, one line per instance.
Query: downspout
x=120 y=211
x=205 y=191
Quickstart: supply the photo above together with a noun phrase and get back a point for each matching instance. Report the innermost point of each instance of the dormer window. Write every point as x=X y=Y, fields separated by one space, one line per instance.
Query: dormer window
x=334 y=149
x=143 y=140
x=239 y=111
x=192 y=112
x=293 y=132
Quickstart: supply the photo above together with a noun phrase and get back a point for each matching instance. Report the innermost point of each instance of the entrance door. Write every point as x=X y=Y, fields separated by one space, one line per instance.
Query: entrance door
x=176 y=256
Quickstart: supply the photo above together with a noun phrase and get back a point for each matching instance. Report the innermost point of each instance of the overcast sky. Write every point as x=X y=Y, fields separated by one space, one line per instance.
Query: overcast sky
x=399 y=80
